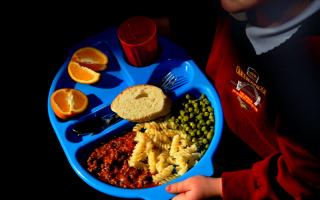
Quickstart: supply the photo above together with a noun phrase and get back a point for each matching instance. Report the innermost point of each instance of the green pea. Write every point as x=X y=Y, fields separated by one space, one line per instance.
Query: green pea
x=182 y=112
x=191 y=115
x=185 y=118
x=207 y=146
x=198 y=125
x=206 y=114
x=204 y=129
x=204 y=141
x=190 y=109
x=205 y=133
x=192 y=124
x=195 y=105
x=188 y=96
x=198 y=132
x=208 y=122
x=192 y=133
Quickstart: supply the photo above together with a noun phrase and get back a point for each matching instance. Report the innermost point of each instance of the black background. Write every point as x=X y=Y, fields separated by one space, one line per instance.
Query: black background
x=44 y=33
x=61 y=26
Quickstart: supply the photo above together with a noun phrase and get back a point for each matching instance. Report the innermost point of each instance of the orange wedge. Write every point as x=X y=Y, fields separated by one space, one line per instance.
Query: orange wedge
x=68 y=102
x=82 y=74
x=91 y=57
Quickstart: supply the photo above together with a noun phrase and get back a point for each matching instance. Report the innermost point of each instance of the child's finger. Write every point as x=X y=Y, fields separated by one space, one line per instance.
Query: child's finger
x=178 y=187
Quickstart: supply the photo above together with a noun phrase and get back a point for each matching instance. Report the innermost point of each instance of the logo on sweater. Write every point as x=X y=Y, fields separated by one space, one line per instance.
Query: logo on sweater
x=247 y=88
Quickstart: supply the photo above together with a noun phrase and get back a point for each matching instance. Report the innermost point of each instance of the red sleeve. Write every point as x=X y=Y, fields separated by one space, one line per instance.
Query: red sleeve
x=294 y=173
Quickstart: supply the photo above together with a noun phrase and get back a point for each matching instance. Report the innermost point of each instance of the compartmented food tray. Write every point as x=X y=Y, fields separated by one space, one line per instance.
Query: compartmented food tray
x=118 y=76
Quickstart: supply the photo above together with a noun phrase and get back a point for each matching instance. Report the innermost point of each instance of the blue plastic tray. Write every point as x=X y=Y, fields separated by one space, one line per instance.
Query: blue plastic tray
x=118 y=76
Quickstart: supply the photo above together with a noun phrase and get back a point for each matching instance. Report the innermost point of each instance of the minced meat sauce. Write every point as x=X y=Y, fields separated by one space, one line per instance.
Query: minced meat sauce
x=109 y=163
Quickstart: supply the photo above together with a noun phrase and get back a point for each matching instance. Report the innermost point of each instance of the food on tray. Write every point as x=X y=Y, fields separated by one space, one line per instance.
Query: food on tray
x=164 y=150
x=110 y=163
x=196 y=118
x=86 y=63
x=67 y=102
x=91 y=57
x=82 y=74
x=158 y=151
x=141 y=103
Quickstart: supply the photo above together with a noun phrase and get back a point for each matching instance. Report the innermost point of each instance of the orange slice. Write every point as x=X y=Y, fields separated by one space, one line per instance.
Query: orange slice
x=91 y=57
x=68 y=102
x=82 y=74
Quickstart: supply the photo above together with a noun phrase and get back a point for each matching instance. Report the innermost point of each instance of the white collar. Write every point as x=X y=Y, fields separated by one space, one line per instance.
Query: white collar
x=266 y=39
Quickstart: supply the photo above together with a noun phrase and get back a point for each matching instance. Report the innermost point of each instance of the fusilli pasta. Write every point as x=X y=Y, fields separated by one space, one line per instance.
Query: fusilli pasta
x=166 y=150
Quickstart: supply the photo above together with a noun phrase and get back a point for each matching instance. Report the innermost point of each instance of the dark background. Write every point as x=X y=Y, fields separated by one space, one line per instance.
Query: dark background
x=67 y=26
x=50 y=30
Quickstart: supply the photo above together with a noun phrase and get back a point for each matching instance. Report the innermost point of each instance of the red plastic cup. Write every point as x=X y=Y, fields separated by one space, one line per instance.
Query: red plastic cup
x=138 y=38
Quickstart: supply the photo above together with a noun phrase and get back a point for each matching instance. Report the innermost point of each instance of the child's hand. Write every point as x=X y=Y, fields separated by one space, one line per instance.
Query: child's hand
x=197 y=187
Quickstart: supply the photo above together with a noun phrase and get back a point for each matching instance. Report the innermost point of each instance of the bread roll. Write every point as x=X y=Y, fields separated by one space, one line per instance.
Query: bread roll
x=141 y=103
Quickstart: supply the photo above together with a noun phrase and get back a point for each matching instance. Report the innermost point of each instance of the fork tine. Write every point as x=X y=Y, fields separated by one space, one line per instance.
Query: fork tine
x=171 y=81
x=167 y=81
x=166 y=76
x=181 y=80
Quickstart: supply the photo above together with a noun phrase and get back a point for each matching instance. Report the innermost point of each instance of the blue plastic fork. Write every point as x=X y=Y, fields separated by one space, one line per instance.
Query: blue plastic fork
x=95 y=124
x=170 y=82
